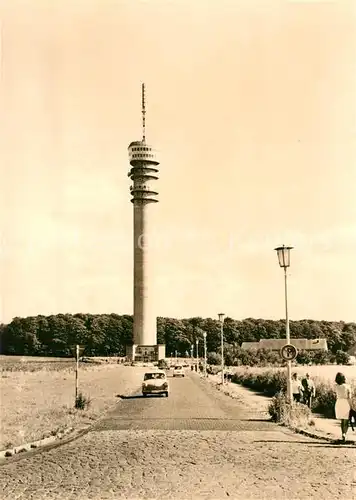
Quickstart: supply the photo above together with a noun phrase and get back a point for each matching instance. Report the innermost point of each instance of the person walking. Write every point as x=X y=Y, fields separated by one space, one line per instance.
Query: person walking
x=308 y=387
x=343 y=403
x=296 y=388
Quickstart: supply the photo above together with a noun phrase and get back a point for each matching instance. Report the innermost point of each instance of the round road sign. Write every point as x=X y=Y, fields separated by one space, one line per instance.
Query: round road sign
x=289 y=352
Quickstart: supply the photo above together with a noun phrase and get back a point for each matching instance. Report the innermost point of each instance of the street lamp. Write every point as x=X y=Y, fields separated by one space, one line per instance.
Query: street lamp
x=283 y=254
x=221 y=319
x=204 y=336
x=197 y=354
x=191 y=355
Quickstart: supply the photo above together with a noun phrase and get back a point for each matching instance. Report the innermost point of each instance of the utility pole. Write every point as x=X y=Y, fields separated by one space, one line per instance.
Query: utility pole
x=76 y=371
x=205 y=355
x=197 y=354
x=221 y=319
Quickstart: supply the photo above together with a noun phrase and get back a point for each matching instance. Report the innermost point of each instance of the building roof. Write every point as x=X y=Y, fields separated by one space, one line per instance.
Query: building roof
x=250 y=345
x=136 y=143
x=277 y=344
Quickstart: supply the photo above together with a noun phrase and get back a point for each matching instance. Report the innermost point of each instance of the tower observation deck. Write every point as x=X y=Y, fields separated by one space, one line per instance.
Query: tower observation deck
x=143 y=172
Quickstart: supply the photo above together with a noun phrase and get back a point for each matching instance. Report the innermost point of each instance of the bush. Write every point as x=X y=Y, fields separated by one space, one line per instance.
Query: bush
x=304 y=357
x=324 y=402
x=277 y=407
x=213 y=370
x=342 y=358
x=82 y=402
x=213 y=358
x=321 y=357
x=283 y=412
x=267 y=382
x=259 y=357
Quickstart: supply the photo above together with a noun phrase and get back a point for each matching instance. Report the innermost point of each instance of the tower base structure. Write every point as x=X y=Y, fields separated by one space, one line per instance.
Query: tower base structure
x=145 y=353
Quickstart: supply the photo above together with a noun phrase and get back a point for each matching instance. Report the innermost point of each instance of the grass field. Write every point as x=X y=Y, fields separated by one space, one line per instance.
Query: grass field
x=33 y=364
x=36 y=403
x=328 y=372
x=30 y=359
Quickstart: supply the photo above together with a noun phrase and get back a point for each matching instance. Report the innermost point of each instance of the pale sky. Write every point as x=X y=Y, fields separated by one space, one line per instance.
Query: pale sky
x=252 y=105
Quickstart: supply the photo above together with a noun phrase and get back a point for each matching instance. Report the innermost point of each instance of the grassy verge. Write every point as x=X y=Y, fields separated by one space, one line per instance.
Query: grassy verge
x=273 y=382
x=36 y=404
x=291 y=415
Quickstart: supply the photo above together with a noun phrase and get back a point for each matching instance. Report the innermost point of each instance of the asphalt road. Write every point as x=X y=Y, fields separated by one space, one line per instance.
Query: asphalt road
x=195 y=444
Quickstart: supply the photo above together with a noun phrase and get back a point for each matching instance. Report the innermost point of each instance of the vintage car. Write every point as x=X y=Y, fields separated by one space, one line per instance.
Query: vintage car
x=178 y=371
x=155 y=382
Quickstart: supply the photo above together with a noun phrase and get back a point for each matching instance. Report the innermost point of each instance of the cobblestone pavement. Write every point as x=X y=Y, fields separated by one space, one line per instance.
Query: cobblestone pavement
x=196 y=444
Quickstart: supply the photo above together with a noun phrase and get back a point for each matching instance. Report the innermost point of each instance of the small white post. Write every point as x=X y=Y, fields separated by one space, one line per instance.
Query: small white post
x=197 y=354
x=76 y=371
x=205 y=355
x=221 y=319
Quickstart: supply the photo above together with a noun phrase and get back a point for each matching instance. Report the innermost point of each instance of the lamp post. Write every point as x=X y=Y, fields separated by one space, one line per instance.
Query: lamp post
x=191 y=355
x=221 y=319
x=204 y=336
x=197 y=355
x=283 y=254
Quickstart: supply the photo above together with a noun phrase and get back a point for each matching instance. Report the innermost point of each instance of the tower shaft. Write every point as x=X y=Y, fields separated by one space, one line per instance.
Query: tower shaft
x=144 y=325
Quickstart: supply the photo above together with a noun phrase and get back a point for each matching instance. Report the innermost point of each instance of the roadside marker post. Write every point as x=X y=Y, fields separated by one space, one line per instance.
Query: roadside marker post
x=76 y=370
x=77 y=352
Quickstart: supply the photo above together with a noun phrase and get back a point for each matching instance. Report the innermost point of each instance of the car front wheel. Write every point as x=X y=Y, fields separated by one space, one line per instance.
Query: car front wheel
x=167 y=394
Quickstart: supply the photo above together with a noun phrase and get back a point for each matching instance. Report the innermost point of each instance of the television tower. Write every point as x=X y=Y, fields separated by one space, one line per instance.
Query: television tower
x=143 y=173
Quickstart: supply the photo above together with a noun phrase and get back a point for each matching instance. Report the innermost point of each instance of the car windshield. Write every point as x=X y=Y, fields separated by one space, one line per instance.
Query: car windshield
x=178 y=368
x=150 y=376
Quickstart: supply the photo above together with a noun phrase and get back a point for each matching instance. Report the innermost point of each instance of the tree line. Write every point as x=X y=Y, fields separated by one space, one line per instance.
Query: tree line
x=108 y=334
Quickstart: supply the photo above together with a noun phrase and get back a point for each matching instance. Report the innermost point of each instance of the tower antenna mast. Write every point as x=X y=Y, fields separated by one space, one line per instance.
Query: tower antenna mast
x=143 y=114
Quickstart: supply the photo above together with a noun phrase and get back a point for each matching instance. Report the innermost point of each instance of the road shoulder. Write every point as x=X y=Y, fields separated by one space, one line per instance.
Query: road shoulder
x=323 y=428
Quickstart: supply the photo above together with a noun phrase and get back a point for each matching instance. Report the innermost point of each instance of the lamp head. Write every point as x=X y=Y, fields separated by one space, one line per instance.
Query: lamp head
x=221 y=317
x=283 y=254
